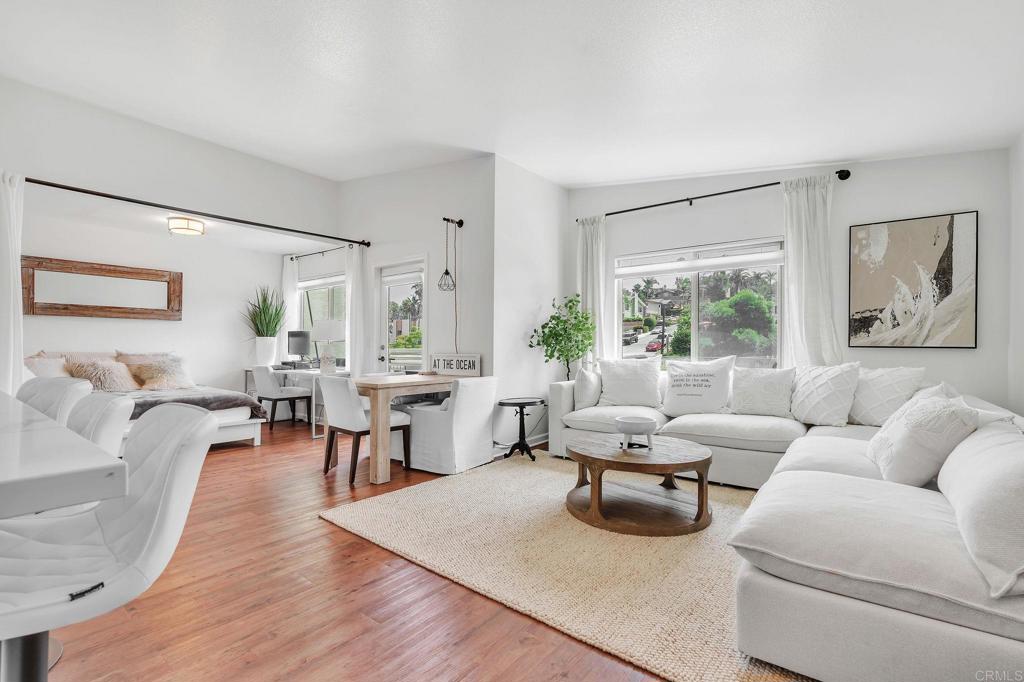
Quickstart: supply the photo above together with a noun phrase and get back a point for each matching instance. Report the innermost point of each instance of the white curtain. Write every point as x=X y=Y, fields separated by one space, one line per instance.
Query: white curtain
x=590 y=280
x=292 y=308
x=810 y=337
x=12 y=201
x=359 y=334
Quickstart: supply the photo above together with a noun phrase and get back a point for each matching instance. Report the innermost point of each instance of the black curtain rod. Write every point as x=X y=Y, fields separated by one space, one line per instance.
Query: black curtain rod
x=841 y=174
x=188 y=211
x=320 y=253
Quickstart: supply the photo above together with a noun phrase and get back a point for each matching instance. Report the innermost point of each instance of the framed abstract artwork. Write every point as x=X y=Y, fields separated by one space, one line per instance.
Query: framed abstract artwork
x=913 y=282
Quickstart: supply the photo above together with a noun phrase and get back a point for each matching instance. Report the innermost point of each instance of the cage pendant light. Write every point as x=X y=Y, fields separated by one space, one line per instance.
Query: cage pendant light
x=447 y=281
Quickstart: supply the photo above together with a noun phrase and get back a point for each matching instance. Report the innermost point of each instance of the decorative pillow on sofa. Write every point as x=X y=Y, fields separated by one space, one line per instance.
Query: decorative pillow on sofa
x=158 y=372
x=823 y=395
x=46 y=367
x=880 y=392
x=104 y=375
x=982 y=479
x=587 y=389
x=915 y=442
x=630 y=382
x=698 y=387
x=767 y=392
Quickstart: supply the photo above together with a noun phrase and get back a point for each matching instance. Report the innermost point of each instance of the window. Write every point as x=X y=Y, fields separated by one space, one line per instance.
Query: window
x=702 y=303
x=402 y=299
x=323 y=300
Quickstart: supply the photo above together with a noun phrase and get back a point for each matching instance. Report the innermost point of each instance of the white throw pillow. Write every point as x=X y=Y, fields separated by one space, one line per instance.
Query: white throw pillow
x=46 y=367
x=587 y=389
x=880 y=392
x=914 y=443
x=698 y=387
x=762 y=391
x=982 y=479
x=630 y=382
x=823 y=395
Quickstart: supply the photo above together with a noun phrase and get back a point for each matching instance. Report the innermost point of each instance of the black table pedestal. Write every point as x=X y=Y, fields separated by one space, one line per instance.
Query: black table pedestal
x=522 y=446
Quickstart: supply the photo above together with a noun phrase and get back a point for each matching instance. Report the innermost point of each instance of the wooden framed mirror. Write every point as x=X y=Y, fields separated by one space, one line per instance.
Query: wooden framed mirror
x=52 y=286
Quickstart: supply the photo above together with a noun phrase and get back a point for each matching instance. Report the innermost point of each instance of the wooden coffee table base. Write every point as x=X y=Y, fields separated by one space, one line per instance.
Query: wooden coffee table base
x=639 y=509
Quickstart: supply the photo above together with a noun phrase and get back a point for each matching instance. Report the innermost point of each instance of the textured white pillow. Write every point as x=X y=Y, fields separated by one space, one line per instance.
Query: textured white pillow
x=630 y=382
x=823 y=395
x=587 y=389
x=46 y=367
x=982 y=479
x=698 y=387
x=880 y=392
x=914 y=443
x=762 y=391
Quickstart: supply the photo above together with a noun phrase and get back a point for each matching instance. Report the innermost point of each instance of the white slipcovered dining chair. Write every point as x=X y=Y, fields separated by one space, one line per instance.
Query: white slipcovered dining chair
x=345 y=414
x=56 y=571
x=268 y=388
x=54 y=396
x=102 y=418
x=458 y=434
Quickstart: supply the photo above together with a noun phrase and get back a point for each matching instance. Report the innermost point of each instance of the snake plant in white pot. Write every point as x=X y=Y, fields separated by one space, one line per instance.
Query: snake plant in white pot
x=265 y=316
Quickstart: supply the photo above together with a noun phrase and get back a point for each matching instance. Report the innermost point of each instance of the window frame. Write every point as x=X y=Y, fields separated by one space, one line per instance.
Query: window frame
x=398 y=274
x=304 y=286
x=693 y=269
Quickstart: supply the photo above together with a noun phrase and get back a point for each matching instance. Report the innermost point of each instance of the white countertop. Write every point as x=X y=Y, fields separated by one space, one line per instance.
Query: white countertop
x=44 y=465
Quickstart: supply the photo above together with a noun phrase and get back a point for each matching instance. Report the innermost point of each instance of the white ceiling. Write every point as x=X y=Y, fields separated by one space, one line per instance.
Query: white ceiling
x=45 y=204
x=579 y=91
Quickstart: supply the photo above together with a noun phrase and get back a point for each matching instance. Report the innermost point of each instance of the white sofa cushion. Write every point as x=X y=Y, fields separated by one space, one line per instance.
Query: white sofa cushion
x=983 y=479
x=833 y=454
x=823 y=395
x=740 y=431
x=698 y=387
x=880 y=392
x=630 y=382
x=767 y=392
x=586 y=389
x=913 y=444
x=602 y=417
x=892 y=545
x=855 y=431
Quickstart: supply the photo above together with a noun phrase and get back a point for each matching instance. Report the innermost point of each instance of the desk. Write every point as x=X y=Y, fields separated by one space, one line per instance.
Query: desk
x=44 y=465
x=381 y=390
x=300 y=377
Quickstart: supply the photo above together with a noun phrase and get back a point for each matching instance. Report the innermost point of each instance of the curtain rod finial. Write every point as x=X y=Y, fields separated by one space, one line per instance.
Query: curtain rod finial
x=843 y=174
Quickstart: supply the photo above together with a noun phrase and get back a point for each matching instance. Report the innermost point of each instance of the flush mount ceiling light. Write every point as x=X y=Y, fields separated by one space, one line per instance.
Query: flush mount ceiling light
x=186 y=226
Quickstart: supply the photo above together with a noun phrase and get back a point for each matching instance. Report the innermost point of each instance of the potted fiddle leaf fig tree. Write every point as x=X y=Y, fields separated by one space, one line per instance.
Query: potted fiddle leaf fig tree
x=265 y=317
x=567 y=335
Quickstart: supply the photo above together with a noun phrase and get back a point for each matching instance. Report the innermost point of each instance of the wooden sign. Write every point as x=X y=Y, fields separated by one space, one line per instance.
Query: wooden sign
x=456 y=364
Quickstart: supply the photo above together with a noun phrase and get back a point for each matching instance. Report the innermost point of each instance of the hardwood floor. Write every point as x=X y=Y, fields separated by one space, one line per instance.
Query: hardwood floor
x=260 y=588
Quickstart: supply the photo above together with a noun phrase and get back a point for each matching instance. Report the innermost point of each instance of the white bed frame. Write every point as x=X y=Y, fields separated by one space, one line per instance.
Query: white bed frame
x=231 y=429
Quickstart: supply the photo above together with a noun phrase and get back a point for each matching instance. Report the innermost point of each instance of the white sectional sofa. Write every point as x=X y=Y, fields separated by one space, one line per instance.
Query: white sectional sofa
x=846 y=576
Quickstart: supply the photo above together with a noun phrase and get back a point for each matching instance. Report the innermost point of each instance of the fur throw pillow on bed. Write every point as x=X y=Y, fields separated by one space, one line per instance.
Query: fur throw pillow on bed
x=104 y=375
x=157 y=371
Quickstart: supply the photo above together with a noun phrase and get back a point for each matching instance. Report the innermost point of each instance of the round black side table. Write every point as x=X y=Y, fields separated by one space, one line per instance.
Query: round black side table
x=521 y=404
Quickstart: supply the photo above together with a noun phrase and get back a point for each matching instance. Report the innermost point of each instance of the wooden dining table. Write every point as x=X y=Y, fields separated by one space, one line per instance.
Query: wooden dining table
x=44 y=465
x=381 y=390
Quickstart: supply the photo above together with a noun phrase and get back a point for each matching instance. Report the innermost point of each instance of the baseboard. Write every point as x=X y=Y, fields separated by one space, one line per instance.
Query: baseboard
x=539 y=442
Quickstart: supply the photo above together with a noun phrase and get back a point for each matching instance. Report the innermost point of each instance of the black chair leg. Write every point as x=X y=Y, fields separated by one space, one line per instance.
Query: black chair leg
x=355 y=458
x=273 y=413
x=291 y=406
x=309 y=410
x=406 y=447
x=329 y=450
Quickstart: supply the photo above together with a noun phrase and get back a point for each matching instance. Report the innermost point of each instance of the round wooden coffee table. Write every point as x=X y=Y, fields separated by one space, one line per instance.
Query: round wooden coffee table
x=637 y=508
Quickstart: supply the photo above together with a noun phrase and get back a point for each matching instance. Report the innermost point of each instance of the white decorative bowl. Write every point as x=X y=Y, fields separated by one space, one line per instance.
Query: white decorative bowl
x=636 y=426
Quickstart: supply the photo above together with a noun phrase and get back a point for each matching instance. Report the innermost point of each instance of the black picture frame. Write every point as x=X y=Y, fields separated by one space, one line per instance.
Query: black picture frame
x=849 y=282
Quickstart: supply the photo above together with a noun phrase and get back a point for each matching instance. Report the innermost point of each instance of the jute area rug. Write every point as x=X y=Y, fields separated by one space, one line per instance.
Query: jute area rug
x=664 y=604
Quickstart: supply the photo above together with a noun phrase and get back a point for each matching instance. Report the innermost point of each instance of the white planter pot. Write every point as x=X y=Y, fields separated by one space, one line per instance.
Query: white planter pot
x=266 y=350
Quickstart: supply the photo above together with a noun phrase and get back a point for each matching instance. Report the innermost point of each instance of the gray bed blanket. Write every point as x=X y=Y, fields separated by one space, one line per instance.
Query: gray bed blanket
x=206 y=397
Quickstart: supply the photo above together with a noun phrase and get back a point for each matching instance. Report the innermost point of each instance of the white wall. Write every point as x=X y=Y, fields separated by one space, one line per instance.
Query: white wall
x=529 y=213
x=1015 y=313
x=400 y=214
x=217 y=279
x=877 y=191
x=52 y=137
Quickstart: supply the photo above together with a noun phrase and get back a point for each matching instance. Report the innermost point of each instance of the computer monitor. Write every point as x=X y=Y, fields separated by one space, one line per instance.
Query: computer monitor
x=298 y=343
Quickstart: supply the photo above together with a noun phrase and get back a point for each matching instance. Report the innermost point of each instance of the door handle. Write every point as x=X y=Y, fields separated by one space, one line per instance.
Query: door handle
x=380 y=358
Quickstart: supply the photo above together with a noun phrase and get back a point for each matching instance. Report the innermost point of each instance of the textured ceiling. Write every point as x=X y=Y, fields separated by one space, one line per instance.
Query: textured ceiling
x=579 y=91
